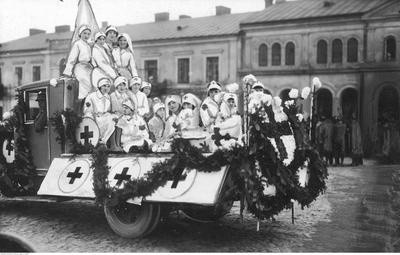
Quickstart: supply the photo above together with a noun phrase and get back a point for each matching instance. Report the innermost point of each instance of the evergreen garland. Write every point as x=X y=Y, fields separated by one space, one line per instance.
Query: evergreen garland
x=17 y=178
x=65 y=123
x=250 y=167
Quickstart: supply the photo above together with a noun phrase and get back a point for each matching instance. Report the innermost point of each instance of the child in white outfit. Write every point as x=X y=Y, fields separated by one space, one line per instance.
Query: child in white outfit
x=135 y=136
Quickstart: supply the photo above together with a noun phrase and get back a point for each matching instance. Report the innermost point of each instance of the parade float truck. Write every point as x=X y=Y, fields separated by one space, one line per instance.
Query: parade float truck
x=51 y=153
x=61 y=176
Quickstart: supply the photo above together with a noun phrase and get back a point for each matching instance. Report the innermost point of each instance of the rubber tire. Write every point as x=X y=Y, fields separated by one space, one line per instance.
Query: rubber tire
x=140 y=227
x=155 y=220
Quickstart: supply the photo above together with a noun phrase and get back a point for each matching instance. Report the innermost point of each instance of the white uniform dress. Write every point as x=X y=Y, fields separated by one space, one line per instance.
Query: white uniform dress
x=134 y=131
x=98 y=107
x=102 y=60
x=157 y=127
x=140 y=101
x=125 y=62
x=207 y=119
x=229 y=121
x=78 y=63
x=116 y=102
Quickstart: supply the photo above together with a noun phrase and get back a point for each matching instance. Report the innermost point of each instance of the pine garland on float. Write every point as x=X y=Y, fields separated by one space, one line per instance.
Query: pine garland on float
x=17 y=177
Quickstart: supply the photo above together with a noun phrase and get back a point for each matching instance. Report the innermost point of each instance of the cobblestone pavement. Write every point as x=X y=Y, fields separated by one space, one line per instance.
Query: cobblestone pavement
x=355 y=214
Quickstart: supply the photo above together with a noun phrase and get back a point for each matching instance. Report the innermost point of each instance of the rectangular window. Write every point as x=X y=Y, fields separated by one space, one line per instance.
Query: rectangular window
x=183 y=70
x=150 y=70
x=36 y=73
x=18 y=73
x=212 y=67
x=32 y=103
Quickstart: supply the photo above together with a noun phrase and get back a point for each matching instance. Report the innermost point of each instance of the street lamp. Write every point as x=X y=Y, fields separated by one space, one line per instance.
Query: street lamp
x=315 y=85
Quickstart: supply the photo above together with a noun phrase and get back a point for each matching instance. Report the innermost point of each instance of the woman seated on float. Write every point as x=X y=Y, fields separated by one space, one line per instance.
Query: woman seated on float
x=157 y=123
x=138 y=97
x=111 y=40
x=119 y=95
x=78 y=62
x=146 y=89
x=189 y=117
x=98 y=106
x=100 y=58
x=135 y=136
x=117 y=98
x=210 y=106
x=228 y=120
x=123 y=56
x=172 y=109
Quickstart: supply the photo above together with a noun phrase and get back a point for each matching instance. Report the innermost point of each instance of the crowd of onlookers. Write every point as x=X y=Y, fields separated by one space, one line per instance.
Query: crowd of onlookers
x=333 y=135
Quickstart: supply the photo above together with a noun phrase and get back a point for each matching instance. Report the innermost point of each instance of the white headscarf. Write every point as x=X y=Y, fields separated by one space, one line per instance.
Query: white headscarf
x=83 y=28
x=128 y=38
x=98 y=35
x=170 y=98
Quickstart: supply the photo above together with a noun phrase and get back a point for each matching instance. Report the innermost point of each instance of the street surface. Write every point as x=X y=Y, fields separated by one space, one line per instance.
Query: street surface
x=357 y=213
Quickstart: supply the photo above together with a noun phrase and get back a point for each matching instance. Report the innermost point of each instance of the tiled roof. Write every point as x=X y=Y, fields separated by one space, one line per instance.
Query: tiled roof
x=302 y=9
x=184 y=28
x=34 y=42
x=213 y=25
x=173 y=29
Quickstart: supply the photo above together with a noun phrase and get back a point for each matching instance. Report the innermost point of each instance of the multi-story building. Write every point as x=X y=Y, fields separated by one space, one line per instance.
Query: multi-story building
x=351 y=45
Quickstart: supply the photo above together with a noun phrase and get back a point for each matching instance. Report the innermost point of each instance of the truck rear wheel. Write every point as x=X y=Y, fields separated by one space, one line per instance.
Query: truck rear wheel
x=211 y=214
x=132 y=221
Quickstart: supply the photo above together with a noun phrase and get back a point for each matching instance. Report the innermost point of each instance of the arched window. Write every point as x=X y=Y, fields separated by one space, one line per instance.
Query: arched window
x=352 y=50
x=337 y=51
x=263 y=55
x=322 y=52
x=61 y=66
x=390 y=48
x=276 y=54
x=289 y=54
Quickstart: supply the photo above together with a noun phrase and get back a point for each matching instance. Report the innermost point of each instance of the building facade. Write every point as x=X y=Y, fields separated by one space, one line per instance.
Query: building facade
x=351 y=45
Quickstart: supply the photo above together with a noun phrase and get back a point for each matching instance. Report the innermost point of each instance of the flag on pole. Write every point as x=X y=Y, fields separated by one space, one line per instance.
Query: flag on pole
x=85 y=16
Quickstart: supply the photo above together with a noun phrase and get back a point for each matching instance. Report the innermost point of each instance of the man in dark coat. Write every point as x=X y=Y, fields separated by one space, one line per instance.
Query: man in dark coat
x=326 y=135
x=339 y=131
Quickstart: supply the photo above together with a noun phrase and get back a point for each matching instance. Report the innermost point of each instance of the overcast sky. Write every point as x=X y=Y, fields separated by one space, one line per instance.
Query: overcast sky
x=17 y=16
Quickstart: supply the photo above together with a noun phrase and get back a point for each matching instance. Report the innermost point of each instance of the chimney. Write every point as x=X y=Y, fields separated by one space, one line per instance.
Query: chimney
x=279 y=1
x=328 y=4
x=184 y=17
x=35 y=31
x=268 y=3
x=161 y=16
x=62 y=29
x=104 y=24
x=222 y=10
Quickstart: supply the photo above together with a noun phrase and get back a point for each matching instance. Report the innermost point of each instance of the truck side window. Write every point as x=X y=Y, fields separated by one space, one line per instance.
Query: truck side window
x=35 y=100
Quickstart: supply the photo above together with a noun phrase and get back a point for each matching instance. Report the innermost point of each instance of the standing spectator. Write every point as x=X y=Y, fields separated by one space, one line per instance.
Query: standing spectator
x=326 y=137
x=318 y=136
x=339 y=131
x=356 y=143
